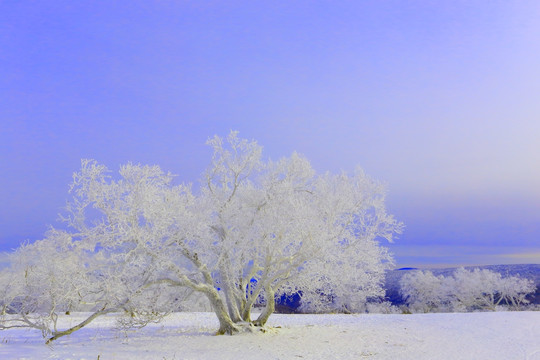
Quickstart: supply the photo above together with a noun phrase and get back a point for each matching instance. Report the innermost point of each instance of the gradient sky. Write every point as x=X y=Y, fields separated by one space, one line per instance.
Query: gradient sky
x=438 y=99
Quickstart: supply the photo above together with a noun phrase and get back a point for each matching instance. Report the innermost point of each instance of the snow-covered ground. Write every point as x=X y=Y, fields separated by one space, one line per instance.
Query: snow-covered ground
x=500 y=335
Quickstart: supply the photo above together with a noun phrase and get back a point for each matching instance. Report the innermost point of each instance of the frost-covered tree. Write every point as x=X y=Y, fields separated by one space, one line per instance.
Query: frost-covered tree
x=464 y=290
x=485 y=289
x=48 y=277
x=422 y=291
x=254 y=230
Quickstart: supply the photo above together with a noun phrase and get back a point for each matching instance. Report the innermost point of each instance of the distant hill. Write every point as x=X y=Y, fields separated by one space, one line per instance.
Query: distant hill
x=528 y=271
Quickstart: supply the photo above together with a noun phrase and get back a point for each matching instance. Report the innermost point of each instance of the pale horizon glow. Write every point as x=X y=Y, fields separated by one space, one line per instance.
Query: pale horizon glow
x=437 y=100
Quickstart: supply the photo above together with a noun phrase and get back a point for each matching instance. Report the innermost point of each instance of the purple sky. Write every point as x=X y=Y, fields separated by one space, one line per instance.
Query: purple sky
x=440 y=100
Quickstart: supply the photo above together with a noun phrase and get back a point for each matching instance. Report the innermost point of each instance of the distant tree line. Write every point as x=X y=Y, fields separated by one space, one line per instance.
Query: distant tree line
x=464 y=290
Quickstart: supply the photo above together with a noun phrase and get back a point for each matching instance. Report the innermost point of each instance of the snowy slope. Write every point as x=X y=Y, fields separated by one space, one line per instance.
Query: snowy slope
x=501 y=335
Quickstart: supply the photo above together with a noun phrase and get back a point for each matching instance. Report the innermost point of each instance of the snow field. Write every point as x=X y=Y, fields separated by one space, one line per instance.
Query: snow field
x=499 y=335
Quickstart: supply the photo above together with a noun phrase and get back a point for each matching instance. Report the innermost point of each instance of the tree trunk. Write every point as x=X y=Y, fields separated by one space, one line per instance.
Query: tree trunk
x=229 y=290
x=246 y=314
x=230 y=296
x=226 y=325
x=268 y=309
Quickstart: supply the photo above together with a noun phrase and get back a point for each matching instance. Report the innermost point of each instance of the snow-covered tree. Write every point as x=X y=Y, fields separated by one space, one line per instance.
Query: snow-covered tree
x=422 y=291
x=464 y=290
x=253 y=231
x=48 y=277
x=486 y=289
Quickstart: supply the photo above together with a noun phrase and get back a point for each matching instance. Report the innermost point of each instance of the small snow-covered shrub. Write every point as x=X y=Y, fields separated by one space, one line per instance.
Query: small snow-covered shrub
x=384 y=307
